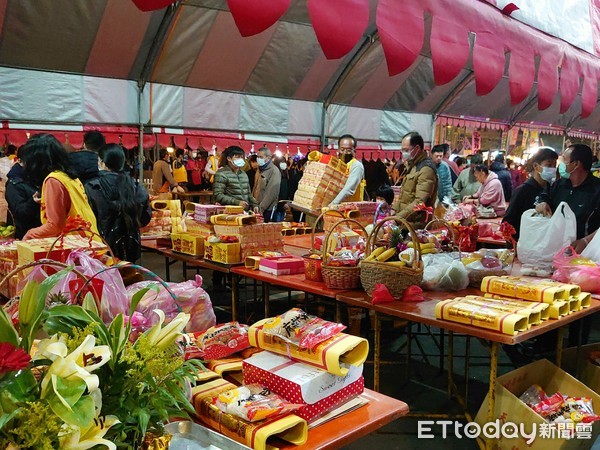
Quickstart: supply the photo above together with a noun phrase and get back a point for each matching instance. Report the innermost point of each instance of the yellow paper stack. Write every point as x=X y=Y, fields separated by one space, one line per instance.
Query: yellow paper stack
x=320 y=183
x=563 y=298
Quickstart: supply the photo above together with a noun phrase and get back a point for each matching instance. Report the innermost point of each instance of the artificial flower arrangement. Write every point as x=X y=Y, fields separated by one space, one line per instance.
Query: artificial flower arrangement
x=86 y=384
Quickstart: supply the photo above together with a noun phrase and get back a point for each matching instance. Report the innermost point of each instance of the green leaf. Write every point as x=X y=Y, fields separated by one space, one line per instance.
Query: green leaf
x=8 y=333
x=138 y=296
x=89 y=304
x=66 y=399
x=64 y=317
x=15 y=388
x=5 y=418
x=143 y=419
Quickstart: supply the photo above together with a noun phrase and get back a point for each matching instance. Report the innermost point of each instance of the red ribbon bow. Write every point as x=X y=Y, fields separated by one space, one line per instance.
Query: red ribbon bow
x=508 y=231
x=464 y=233
x=77 y=223
x=428 y=210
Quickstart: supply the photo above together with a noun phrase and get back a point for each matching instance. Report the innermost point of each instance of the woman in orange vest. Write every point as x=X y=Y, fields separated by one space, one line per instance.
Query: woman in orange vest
x=46 y=162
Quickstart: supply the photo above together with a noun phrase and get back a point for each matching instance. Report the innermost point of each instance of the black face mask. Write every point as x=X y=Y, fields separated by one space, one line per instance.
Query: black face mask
x=347 y=157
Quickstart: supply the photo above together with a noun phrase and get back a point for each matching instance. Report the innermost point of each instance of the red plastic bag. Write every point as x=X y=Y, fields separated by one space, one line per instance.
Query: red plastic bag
x=573 y=268
x=413 y=294
x=381 y=294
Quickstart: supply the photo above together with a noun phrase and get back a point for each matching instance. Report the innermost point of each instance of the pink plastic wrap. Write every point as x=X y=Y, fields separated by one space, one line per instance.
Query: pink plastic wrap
x=189 y=298
x=573 y=268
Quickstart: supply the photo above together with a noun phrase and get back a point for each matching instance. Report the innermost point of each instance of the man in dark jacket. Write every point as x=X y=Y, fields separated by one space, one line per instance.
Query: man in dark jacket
x=19 y=196
x=500 y=169
x=85 y=162
x=267 y=185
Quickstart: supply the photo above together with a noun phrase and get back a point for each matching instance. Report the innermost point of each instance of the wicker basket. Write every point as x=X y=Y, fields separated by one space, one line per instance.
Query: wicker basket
x=436 y=224
x=313 y=266
x=395 y=278
x=336 y=277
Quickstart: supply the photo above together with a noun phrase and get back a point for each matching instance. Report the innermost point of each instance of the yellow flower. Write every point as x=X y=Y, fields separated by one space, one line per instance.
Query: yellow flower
x=74 y=438
x=78 y=364
x=164 y=337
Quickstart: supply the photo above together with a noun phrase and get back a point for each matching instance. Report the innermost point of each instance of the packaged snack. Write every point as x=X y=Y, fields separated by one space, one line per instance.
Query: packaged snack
x=579 y=409
x=300 y=328
x=551 y=408
x=253 y=402
x=534 y=395
x=223 y=340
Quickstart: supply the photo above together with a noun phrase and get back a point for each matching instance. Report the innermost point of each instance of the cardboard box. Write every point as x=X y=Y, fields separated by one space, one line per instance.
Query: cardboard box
x=320 y=391
x=36 y=249
x=509 y=408
x=223 y=253
x=188 y=244
x=283 y=265
x=587 y=372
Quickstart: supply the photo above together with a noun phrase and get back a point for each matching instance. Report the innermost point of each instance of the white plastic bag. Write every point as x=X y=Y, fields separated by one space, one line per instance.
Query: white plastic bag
x=592 y=250
x=542 y=237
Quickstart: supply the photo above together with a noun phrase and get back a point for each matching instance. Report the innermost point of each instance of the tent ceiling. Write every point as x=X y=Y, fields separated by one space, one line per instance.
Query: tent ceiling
x=203 y=49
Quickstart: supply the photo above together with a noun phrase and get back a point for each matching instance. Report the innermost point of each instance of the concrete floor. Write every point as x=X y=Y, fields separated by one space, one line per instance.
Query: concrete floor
x=423 y=389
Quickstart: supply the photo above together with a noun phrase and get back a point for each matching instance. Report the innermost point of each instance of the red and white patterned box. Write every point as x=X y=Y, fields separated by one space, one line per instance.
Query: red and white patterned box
x=300 y=383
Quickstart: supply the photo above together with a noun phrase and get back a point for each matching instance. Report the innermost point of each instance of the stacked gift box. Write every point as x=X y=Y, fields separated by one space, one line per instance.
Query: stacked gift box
x=362 y=212
x=160 y=224
x=321 y=182
x=254 y=238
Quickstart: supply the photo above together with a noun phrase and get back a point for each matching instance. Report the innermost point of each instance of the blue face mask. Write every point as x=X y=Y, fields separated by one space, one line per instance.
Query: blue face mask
x=562 y=170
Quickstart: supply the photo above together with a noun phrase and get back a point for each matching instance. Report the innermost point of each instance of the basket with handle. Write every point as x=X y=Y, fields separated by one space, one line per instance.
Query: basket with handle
x=340 y=277
x=395 y=277
x=313 y=266
x=93 y=235
x=436 y=224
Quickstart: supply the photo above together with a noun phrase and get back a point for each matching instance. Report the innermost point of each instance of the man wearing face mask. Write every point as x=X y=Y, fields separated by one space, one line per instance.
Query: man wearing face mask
x=266 y=186
x=354 y=189
x=420 y=184
x=231 y=185
x=578 y=187
x=543 y=174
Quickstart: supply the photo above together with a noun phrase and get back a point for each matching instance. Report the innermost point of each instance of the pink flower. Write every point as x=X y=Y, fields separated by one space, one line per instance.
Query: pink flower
x=12 y=358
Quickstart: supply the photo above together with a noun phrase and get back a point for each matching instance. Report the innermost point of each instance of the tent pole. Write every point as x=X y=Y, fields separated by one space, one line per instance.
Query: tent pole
x=323 y=119
x=140 y=161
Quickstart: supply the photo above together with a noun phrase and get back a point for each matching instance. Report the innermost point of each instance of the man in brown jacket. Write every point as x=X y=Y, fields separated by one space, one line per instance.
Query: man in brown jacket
x=420 y=184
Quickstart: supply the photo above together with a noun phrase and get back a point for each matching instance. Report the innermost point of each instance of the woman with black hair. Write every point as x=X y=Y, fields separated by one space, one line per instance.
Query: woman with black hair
x=121 y=205
x=231 y=186
x=46 y=164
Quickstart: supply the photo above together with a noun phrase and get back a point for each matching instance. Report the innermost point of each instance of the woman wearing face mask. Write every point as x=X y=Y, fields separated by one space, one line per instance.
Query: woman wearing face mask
x=543 y=173
x=231 y=186
x=195 y=167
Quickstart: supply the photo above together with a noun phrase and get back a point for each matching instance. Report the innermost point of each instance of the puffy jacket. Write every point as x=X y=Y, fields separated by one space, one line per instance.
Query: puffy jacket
x=85 y=164
x=267 y=191
x=444 y=181
x=504 y=176
x=19 y=196
x=231 y=188
x=466 y=185
x=105 y=200
x=420 y=185
x=491 y=194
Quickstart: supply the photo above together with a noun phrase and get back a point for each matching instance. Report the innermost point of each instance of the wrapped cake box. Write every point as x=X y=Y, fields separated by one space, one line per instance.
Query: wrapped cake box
x=283 y=265
x=300 y=383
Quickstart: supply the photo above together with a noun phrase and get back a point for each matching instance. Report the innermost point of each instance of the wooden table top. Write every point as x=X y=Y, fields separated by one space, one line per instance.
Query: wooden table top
x=296 y=282
x=345 y=429
x=424 y=312
x=193 y=261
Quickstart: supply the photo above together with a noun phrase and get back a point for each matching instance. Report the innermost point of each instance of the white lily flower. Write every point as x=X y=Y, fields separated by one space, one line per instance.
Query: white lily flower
x=74 y=438
x=79 y=364
x=163 y=337
x=52 y=348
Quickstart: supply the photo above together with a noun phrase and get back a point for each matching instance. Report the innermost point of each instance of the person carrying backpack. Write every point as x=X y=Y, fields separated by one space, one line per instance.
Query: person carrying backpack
x=120 y=204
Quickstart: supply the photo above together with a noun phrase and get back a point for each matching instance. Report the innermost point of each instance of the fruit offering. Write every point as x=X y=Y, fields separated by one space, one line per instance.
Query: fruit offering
x=7 y=230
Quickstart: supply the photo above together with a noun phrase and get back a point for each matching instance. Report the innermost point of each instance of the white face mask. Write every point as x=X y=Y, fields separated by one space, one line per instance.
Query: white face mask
x=548 y=174
x=406 y=156
x=261 y=161
x=283 y=166
x=194 y=155
x=238 y=162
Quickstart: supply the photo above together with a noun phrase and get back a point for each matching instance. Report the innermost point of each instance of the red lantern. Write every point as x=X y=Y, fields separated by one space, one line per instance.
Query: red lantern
x=151 y=5
x=255 y=16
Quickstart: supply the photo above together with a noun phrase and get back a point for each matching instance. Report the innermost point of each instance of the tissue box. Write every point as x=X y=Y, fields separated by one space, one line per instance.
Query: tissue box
x=284 y=265
x=300 y=383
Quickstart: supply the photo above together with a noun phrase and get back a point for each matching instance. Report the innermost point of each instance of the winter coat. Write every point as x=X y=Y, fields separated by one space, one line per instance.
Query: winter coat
x=105 y=200
x=504 y=176
x=491 y=194
x=231 y=188
x=420 y=185
x=445 y=181
x=466 y=185
x=267 y=191
x=85 y=164
x=19 y=196
x=523 y=198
